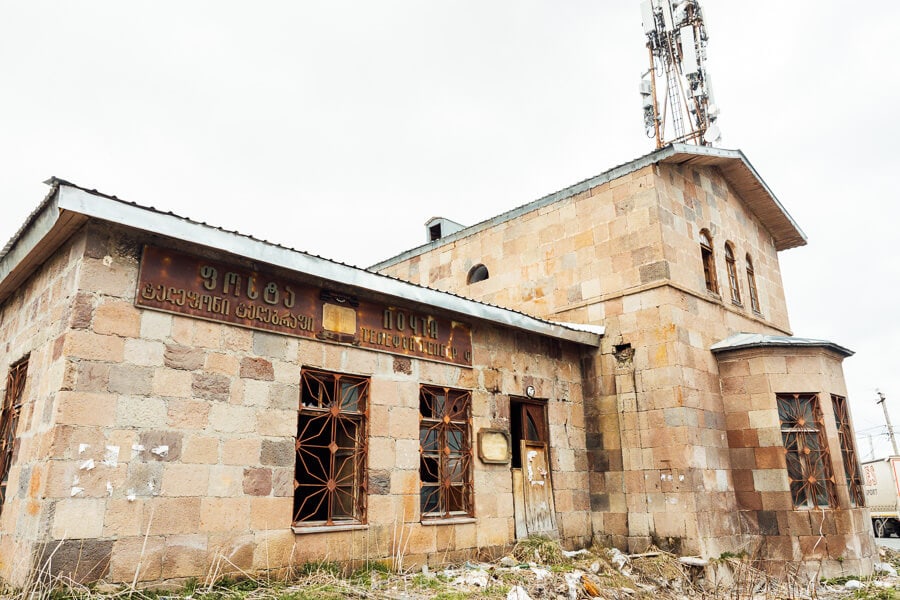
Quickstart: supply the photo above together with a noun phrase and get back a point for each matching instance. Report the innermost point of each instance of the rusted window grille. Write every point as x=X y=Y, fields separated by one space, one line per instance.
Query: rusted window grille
x=330 y=477
x=9 y=419
x=732 y=274
x=709 y=262
x=848 y=451
x=751 y=286
x=808 y=462
x=445 y=470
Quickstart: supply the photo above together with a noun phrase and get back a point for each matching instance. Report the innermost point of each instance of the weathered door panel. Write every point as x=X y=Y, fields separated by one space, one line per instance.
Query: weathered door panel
x=540 y=512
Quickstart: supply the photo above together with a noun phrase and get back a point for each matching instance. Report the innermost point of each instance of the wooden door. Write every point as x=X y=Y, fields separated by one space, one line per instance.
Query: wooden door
x=540 y=512
x=532 y=487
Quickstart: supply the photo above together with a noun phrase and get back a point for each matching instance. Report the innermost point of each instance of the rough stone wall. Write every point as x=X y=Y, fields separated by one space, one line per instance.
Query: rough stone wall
x=626 y=255
x=591 y=249
x=692 y=199
x=34 y=320
x=174 y=438
x=833 y=541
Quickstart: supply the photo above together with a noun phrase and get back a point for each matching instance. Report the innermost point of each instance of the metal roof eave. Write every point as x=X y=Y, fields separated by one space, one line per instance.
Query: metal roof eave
x=745 y=341
x=77 y=200
x=787 y=235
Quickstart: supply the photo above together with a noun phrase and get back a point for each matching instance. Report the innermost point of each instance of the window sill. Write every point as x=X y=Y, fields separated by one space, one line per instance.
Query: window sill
x=737 y=303
x=328 y=528
x=449 y=521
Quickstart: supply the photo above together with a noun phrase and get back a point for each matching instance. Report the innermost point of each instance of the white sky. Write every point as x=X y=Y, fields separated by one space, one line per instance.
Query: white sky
x=339 y=127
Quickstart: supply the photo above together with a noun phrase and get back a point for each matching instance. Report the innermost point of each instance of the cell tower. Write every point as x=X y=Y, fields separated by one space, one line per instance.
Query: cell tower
x=676 y=38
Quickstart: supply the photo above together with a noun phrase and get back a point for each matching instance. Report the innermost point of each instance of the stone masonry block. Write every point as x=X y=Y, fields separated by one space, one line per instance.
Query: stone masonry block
x=141 y=412
x=155 y=325
x=91 y=346
x=185 y=480
x=257 y=368
x=211 y=386
x=200 y=450
x=171 y=383
x=130 y=379
x=183 y=413
x=186 y=358
x=270 y=513
x=78 y=518
x=277 y=423
x=82 y=408
x=277 y=453
x=118 y=318
x=257 y=481
x=171 y=516
x=221 y=514
x=78 y=560
x=162 y=446
x=241 y=451
x=232 y=419
x=145 y=353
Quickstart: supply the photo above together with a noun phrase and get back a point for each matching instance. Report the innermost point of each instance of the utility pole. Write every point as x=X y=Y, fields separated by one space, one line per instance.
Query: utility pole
x=887 y=419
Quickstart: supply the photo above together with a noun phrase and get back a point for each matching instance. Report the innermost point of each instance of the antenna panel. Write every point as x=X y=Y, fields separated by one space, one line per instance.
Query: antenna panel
x=647 y=17
x=689 y=63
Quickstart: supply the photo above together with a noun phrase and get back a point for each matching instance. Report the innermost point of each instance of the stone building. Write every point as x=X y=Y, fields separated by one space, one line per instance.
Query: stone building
x=610 y=363
x=711 y=428
x=182 y=398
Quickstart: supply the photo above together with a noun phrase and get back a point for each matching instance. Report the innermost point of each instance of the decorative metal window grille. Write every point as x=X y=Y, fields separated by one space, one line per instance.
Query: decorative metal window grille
x=709 y=263
x=848 y=451
x=732 y=275
x=751 y=285
x=445 y=468
x=9 y=419
x=330 y=476
x=808 y=462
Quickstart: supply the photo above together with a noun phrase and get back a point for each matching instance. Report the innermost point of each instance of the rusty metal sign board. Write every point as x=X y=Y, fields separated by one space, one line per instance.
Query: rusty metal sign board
x=190 y=285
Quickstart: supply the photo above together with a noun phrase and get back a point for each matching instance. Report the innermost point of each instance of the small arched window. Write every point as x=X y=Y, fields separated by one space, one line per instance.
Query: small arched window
x=731 y=266
x=751 y=285
x=477 y=273
x=709 y=262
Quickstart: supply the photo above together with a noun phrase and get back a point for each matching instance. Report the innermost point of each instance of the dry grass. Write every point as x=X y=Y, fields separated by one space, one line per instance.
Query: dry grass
x=542 y=570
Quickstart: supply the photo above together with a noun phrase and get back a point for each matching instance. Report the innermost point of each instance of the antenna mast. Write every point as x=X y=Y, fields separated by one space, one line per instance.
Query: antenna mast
x=676 y=91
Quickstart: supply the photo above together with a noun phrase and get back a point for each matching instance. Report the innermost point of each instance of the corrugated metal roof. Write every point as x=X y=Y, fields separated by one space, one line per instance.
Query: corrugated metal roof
x=741 y=341
x=735 y=167
x=68 y=206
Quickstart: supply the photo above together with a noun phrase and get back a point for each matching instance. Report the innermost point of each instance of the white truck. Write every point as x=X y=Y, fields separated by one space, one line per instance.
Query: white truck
x=880 y=479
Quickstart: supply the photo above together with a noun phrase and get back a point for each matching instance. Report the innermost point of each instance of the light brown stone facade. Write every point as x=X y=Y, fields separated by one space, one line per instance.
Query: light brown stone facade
x=625 y=253
x=168 y=442
x=171 y=441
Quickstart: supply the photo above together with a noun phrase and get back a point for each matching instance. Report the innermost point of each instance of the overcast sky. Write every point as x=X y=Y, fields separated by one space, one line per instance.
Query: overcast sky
x=340 y=127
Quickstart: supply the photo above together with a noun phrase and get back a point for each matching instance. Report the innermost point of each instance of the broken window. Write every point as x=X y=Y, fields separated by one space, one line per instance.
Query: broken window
x=848 y=451
x=9 y=419
x=808 y=462
x=527 y=421
x=330 y=476
x=445 y=466
x=751 y=285
x=731 y=266
x=709 y=262
x=477 y=273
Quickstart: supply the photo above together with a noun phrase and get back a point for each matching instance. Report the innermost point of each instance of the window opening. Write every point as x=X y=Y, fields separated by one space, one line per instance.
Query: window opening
x=709 y=263
x=477 y=273
x=732 y=274
x=330 y=474
x=527 y=421
x=9 y=420
x=848 y=451
x=808 y=462
x=434 y=232
x=445 y=467
x=751 y=285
